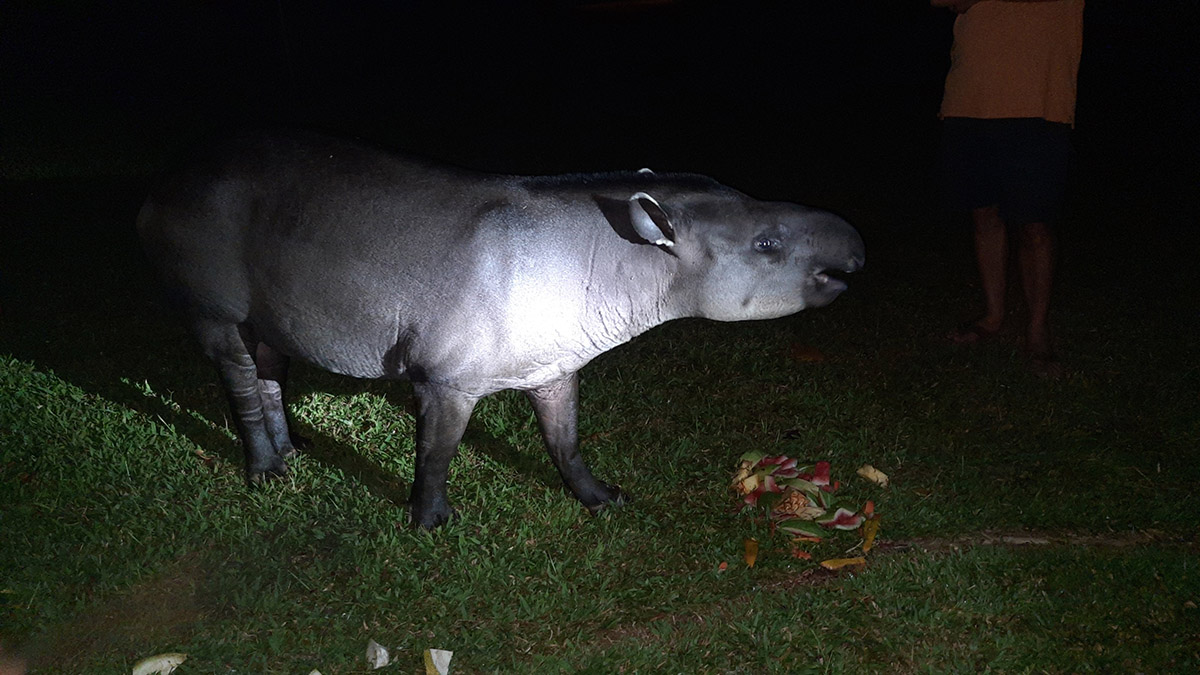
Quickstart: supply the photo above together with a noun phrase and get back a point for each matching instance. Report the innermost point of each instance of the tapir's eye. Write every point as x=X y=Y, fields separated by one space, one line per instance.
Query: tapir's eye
x=765 y=244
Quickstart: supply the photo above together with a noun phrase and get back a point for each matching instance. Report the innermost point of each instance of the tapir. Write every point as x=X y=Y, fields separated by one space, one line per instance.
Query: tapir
x=373 y=264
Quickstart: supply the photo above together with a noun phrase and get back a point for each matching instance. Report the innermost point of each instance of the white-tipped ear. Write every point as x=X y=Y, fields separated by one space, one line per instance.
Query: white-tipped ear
x=650 y=221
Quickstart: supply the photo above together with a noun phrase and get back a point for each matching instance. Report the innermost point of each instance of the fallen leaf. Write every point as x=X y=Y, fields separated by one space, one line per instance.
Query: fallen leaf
x=838 y=563
x=869 y=529
x=801 y=554
x=869 y=508
x=722 y=567
x=874 y=475
x=160 y=664
x=751 y=553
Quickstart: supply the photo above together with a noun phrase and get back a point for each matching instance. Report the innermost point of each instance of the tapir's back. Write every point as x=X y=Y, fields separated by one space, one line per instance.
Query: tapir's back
x=235 y=205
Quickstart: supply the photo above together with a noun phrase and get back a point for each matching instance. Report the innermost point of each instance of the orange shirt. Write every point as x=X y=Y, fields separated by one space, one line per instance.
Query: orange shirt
x=1015 y=59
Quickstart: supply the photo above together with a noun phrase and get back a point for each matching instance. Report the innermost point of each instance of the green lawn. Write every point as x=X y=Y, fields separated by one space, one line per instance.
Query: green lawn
x=127 y=529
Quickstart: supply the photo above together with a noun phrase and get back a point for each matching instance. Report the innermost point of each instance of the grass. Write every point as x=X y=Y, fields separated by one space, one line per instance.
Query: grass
x=127 y=529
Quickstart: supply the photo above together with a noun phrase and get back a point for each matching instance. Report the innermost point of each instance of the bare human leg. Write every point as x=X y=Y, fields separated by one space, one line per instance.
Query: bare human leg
x=1036 y=260
x=991 y=257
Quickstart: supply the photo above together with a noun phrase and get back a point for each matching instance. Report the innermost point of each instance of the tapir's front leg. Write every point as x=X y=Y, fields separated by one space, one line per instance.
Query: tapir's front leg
x=442 y=415
x=557 y=407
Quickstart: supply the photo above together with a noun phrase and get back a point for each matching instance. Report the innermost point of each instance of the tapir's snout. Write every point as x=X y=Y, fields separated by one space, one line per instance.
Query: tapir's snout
x=838 y=248
x=858 y=257
x=836 y=245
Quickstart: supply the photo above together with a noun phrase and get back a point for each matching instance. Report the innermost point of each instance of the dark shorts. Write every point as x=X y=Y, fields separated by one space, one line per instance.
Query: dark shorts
x=1017 y=164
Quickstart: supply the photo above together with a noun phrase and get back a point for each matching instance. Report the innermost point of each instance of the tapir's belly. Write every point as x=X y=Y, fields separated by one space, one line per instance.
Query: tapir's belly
x=476 y=341
x=355 y=346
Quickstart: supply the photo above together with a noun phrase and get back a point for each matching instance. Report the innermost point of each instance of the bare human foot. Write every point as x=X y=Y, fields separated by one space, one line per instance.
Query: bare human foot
x=973 y=332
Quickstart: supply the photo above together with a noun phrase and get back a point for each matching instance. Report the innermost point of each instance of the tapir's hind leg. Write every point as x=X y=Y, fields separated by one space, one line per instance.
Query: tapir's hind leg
x=272 y=383
x=556 y=406
x=223 y=343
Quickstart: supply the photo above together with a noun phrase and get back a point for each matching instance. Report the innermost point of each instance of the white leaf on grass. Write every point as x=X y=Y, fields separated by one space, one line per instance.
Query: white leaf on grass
x=377 y=655
x=160 y=664
x=437 y=661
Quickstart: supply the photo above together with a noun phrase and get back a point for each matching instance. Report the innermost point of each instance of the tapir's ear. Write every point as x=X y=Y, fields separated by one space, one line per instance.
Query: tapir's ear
x=650 y=221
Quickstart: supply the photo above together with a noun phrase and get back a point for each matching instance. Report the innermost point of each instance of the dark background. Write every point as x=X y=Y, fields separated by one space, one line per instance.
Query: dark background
x=830 y=102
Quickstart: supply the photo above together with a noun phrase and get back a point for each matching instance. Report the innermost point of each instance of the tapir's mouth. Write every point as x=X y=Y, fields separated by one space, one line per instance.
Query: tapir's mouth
x=829 y=284
x=825 y=282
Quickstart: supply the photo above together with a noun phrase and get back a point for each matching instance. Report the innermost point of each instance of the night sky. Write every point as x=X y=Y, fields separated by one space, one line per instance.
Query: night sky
x=826 y=101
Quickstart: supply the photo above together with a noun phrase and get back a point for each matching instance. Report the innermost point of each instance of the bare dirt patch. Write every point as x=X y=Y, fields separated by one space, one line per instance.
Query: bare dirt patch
x=1033 y=538
x=142 y=620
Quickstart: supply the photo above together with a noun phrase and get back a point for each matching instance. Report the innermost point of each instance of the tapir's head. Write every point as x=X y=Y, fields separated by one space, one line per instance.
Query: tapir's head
x=741 y=258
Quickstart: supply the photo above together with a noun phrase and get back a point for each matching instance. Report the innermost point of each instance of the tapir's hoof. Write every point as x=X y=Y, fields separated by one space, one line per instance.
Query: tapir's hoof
x=293 y=445
x=431 y=518
x=277 y=468
x=613 y=496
